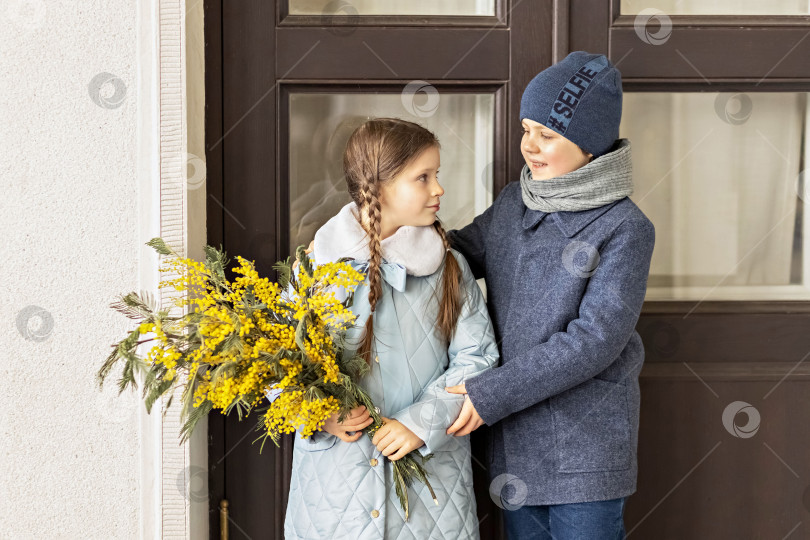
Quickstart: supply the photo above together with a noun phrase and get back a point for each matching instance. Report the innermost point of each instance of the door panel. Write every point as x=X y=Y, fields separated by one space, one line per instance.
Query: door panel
x=716 y=106
x=289 y=87
x=401 y=53
x=722 y=371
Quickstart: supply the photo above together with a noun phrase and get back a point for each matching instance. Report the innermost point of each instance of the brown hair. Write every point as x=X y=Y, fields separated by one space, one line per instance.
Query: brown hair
x=376 y=152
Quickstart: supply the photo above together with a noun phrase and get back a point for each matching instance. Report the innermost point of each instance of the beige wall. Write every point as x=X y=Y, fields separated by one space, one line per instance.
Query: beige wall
x=196 y=233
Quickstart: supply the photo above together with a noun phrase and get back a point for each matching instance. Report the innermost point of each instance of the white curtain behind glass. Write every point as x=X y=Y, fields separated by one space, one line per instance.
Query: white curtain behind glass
x=721 y=192
x=320 y=125
x=718 y=7
x=376 y=7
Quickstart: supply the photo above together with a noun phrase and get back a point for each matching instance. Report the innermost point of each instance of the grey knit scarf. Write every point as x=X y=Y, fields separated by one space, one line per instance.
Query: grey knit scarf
x=606 y=179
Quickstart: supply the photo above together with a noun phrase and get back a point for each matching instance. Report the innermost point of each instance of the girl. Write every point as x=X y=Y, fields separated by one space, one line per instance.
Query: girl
x=422 y=325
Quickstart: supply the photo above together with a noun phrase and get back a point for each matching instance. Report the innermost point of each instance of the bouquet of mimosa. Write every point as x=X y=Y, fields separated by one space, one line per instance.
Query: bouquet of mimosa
x=235 y=340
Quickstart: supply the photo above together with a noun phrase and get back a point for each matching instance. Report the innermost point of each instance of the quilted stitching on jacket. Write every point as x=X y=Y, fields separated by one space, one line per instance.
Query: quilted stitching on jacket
x=334 y=488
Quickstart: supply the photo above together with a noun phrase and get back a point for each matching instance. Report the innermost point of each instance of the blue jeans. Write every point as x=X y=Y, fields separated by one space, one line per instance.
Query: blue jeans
x=598 y=520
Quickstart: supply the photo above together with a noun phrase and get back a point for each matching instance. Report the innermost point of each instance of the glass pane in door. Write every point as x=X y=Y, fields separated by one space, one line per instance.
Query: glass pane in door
x=721 y=177
x=320 y=125
x=348 y=8
x=716 y=7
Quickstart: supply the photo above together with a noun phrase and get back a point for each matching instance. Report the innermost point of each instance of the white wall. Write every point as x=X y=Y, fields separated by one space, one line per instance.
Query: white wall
x=78 y=200
x=68 y=455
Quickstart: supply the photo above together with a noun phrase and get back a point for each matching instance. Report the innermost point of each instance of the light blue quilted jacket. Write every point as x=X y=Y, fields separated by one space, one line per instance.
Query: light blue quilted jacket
x=346 y=489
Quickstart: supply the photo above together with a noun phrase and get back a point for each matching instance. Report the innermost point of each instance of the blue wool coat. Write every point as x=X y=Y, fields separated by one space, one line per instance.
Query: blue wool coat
x=564 y=291
x=346 y=489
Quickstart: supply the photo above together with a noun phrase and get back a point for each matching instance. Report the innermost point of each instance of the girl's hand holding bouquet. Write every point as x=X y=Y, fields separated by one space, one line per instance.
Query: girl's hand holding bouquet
x=357 y=420
x=395 y=440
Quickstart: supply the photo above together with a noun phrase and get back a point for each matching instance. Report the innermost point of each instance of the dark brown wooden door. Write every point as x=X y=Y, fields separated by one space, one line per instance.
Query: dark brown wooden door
x=724 y=431
x=696 y=478
x=261 y=55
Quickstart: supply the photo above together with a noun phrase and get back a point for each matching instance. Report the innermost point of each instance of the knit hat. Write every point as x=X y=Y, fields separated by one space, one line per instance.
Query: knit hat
x=579 y=97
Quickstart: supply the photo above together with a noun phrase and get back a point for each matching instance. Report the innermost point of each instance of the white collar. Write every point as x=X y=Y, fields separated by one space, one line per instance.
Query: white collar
x=419 y=249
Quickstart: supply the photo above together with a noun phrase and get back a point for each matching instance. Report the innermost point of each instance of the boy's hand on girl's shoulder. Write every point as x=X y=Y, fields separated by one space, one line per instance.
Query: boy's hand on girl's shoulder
x=395 y=440
x=468 y=419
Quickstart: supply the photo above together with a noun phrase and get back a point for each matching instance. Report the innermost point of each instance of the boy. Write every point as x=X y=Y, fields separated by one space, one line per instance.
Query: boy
x=566 y=255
